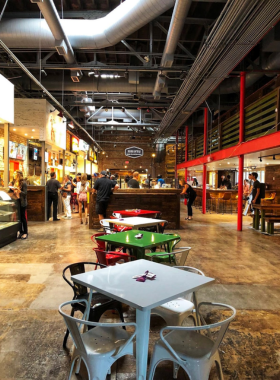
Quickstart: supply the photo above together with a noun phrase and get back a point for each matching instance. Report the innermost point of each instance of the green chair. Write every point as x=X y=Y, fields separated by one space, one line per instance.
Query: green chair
x=176 y=258
x=167 y=255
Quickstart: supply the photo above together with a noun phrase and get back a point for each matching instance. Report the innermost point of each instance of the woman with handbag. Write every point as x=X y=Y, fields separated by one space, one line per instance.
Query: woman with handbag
x=190 y=195
x=20 y=191
x=66 y=196
x=82 y=188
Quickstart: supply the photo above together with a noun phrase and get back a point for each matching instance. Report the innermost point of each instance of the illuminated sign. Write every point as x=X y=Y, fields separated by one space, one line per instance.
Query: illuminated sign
x=83 y=146
x=75 y=144
x=134 y=152
x=91 y=154
x=17 y=151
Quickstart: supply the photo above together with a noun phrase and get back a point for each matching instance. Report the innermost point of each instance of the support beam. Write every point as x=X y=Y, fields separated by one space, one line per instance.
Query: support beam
x=204 y=182
x=241 y=157
x=6 y=155
x=205 y=131
x=176 y=158
x=130 y=48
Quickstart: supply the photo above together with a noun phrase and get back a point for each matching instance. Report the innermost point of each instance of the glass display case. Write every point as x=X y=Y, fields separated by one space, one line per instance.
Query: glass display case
x=9 y=217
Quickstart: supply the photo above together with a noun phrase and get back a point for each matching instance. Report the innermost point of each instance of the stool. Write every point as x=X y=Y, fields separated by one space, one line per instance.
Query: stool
x=226 y=198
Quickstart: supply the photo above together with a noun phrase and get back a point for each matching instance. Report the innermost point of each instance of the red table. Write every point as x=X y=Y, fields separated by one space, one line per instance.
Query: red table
x=136 y=213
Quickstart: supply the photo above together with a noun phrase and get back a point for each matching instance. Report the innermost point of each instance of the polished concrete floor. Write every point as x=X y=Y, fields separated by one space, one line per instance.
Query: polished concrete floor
x=245 y=265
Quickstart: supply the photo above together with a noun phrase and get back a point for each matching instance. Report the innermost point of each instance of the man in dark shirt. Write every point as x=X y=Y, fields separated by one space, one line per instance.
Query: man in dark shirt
x=256 y=189
x=52 y=187
x=228 y=184
x=133 y=183
x=224 y=182
x=104 y=188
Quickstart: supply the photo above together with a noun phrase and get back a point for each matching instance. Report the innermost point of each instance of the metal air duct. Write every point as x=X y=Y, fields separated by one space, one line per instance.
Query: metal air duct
x=127 y=18
x=180 y=12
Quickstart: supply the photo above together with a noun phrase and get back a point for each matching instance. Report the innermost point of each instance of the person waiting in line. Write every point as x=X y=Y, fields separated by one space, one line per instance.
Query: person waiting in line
x=52 y=189
x=134 y=182
x=228 y=184
x=66 y=196
x=115 y=183
x=223 y=182
x=74 y=201
x=246 y=189
x=104 y=188
x=190 y=195
x=82 y=189
x=160 y=180
x=20 y=191
x=194 y=182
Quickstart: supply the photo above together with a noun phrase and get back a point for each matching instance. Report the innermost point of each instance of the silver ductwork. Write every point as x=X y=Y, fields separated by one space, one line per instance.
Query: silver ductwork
x=145 y=85
x=179 y=15
x=232 y=85
x=127 y=18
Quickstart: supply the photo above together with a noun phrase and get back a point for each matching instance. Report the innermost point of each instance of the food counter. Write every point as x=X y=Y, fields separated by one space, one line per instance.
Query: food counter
x=37 y=203
x=167 y=201
x=9 y=217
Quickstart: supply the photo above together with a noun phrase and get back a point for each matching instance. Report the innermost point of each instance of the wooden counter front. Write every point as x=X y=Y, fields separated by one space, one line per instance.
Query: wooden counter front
x=36 y=203
x=167 y=201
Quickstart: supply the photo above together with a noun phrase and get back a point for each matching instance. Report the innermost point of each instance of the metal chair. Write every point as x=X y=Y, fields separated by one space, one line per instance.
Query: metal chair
x=164 y=257
x=177 y=257
x=99 y=303
x=176 y=311
x=108 y=258
x=98 y=347
x=188 y=348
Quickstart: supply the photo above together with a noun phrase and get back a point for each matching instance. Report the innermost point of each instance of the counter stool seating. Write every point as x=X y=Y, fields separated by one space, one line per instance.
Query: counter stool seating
x=98 y=347
x=176 y=311
x=80 y=292
x=226 y=199
x=108 y=258
x=170 y=258
x=189 y=348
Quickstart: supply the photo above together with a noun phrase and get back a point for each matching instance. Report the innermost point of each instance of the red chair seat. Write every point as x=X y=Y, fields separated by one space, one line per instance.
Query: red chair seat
x=111 y=258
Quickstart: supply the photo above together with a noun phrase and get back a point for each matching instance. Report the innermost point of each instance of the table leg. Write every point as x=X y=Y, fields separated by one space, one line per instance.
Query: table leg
x=142 y=343
x=262 y=221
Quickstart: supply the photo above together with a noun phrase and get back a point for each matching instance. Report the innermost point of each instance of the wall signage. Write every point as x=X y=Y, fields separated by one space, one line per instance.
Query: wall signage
x=134 y=152
x=91 y=154
x=55 y=133
x=17 y=151
x=83 y=146
x=75 y=144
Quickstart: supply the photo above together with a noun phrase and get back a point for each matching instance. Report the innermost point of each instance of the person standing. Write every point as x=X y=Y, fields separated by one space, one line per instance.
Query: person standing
x=160 y=180
x=190 y=195
x=52 y=189
x=66 y=196
x=256 y=193
x=82 y=189
x=223 y=182
x=134 y=182
x=228 y=184
x=104 y=188
x=20 y=191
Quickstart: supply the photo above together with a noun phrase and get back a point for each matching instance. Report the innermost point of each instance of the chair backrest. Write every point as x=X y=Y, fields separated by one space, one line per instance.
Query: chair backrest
x=106 y=226
x=77 y=268
x=227 y=196
x=222 y=325
x=100 y=244
x=184 y=251
x=116 y=215
x=176 y=241
x=191 y=296
x=101 y=256
x=162 y=226
x=158 y=215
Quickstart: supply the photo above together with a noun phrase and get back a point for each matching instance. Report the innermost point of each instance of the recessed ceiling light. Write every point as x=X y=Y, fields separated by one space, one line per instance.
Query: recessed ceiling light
x=220 y=164
x=32 y=137
x=267 y=163
x=228 y=163
x=14 y=129
x=25 y=134
x=33 y=130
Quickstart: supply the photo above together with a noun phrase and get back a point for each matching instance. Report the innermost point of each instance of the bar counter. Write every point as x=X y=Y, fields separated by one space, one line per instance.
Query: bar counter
x=167 y=201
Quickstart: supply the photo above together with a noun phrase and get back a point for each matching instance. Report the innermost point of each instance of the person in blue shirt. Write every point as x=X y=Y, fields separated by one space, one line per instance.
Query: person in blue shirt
x=160 y=180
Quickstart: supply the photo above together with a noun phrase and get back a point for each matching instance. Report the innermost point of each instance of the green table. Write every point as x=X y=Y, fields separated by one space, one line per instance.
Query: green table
x=149 y=240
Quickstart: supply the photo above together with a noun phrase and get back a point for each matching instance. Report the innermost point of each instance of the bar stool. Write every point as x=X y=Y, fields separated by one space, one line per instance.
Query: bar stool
x=226 y=198
x=214 y=198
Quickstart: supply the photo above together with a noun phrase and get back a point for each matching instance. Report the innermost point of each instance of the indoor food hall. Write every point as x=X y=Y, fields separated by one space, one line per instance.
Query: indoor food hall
x=139 y=189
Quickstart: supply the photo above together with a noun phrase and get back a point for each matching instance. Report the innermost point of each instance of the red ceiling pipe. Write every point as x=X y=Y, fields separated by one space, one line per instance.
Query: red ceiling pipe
x=186 y=156
x=241 y=157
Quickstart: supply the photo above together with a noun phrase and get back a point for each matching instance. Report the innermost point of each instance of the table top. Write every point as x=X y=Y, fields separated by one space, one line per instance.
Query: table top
x=135 y=221
x=117 y=282
x=267 y=207
x=136 y=213
x=128 y=239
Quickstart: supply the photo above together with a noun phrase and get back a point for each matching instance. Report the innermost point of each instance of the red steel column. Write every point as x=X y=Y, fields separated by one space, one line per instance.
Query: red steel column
x=204 y=179
x=241 y=158
x=186 y=157
x=176 y=155
x=204 y=188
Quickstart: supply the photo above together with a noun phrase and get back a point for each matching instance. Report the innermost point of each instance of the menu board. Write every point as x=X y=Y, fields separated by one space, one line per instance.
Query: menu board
x=83 y=146
x=17 y=151
x=95 y=158
x=91 y=154
x=68 y=141
x=75 y=144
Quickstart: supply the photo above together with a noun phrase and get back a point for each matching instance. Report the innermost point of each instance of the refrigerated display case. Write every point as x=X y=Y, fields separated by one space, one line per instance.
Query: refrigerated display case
x=9 y=217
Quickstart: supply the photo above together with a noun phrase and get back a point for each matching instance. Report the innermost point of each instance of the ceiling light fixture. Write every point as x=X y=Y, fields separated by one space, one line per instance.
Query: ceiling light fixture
x=60 y=114
x=71 y=125
x=14 y=129
x=25 y=134
x=33 y=130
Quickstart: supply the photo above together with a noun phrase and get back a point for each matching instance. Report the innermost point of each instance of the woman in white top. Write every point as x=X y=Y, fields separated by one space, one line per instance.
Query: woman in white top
x=82 y=188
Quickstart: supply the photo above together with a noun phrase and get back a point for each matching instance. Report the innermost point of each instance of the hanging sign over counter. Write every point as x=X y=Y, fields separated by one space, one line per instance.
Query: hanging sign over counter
x=134 y=152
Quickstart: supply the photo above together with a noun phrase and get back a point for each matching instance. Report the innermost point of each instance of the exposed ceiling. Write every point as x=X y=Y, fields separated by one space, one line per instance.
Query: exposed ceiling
x=115 y=86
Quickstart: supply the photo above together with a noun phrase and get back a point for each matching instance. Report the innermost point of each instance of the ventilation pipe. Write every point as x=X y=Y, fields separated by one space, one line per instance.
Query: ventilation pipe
x=179 y=15
x=232 y=85
x=128 y=17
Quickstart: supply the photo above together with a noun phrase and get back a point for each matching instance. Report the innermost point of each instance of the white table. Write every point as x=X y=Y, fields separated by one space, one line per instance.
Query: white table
x=135 y=222
x=117 y=283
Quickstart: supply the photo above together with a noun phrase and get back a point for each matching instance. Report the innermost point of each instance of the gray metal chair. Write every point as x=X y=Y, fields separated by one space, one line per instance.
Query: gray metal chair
x=188 y=348
x=100 y=347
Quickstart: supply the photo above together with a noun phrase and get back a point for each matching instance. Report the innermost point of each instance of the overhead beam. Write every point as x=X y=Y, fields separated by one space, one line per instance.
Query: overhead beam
x=132 y=51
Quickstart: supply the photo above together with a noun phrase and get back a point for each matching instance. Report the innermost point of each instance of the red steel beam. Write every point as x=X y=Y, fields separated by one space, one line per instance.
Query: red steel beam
x=241 y=157
x=205 y=131
x=204 y=181
x=252 y=146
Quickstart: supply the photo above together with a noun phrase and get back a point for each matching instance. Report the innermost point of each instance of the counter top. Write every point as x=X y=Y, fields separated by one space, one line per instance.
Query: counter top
x=149 y=191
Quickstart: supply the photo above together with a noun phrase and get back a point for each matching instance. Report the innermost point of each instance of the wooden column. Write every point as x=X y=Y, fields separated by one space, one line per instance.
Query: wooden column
x=241 y=157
